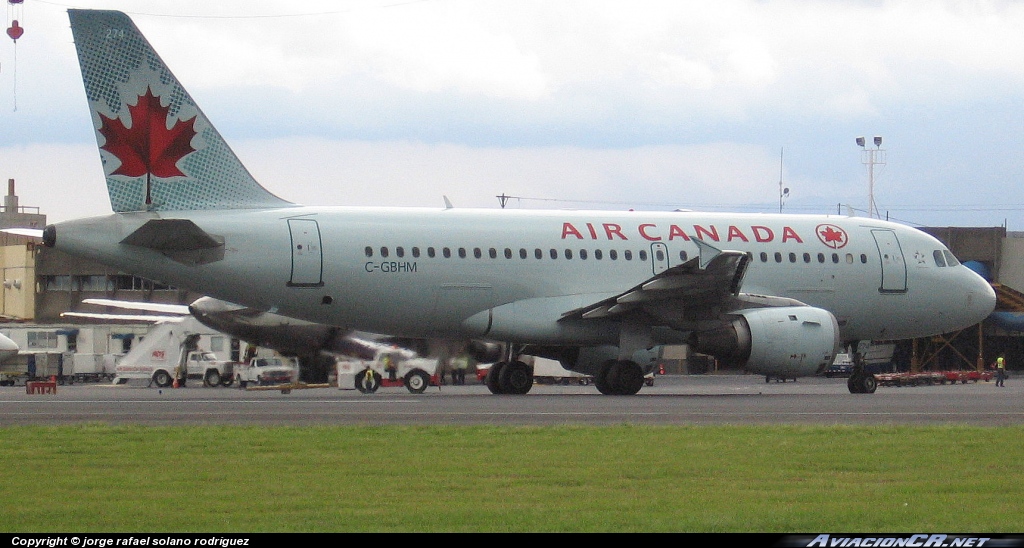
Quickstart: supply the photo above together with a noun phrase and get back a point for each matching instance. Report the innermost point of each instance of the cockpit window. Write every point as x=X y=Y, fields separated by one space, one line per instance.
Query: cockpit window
x=950 y=259
x=939 y=259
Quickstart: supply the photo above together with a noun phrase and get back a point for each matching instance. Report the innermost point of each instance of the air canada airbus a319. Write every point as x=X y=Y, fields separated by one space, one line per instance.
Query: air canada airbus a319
x=600 y=291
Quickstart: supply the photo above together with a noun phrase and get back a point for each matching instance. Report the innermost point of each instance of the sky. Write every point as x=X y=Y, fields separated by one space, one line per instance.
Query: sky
x=646 y=105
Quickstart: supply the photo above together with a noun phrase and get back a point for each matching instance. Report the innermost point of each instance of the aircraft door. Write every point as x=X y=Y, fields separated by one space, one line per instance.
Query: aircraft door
x=894 y=266
x=307 y=254
x=659 y=257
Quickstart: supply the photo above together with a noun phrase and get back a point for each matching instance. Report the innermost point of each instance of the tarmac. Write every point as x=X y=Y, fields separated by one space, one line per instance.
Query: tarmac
x=673 y=400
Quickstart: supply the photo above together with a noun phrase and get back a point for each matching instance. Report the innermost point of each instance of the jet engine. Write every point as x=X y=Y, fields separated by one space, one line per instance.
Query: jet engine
x=785 y=342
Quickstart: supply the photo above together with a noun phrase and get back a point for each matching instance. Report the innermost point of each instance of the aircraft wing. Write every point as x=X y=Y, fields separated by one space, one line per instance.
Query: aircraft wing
x=679 y=294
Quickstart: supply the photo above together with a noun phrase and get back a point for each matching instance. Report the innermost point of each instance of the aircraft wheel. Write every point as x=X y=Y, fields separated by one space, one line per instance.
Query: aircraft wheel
x=492 y=378
x=212 y=378
x=868 y=384
x=862 y=383
x=515 y=378
x=601 y=379
x=368 y=381
x=162 y=379
x=417 y=381
x=630 y=378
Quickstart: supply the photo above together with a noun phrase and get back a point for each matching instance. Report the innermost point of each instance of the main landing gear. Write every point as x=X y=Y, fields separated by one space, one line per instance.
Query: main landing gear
x=619 y=378
x=614 y=378
x=510 y=377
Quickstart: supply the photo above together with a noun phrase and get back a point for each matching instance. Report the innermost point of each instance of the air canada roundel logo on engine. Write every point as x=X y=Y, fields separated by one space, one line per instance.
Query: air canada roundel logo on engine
x=832 y=236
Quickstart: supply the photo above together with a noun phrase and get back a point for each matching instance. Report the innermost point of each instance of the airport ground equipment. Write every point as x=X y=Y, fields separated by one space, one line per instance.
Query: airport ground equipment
x=932 y=377
x=269 y=371
x=367 y=376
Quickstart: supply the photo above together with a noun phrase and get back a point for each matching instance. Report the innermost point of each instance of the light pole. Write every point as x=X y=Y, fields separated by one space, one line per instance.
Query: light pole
x=872 y=157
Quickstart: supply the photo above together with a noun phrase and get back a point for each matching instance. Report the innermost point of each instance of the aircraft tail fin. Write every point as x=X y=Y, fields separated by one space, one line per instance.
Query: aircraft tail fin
x=159 y=151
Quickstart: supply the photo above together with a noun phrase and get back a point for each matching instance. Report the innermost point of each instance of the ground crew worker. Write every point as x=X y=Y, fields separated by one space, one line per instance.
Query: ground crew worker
x=1000 y=371
x=389 y=366
x=459 y=374
x=181 y=375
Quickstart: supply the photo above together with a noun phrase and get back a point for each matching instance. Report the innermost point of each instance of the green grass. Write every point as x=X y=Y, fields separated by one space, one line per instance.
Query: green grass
x=101 y=478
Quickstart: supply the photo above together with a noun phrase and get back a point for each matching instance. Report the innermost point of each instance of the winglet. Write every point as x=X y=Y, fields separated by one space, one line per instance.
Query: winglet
x=706 y=253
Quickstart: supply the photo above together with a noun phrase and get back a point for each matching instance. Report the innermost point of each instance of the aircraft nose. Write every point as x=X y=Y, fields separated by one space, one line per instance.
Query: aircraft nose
x=981 y=298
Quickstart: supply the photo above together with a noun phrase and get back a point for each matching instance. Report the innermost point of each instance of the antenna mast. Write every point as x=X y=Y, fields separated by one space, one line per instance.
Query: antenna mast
x=783 y=192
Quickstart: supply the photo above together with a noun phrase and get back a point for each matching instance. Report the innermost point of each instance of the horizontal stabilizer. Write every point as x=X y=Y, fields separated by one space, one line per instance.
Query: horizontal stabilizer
x=172 y=235
x=179 y=239
x=30 y=232
x=163 y=308
x=123 y=317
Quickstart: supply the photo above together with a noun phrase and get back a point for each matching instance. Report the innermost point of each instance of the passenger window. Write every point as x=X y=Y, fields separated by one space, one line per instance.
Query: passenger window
x=493 y=253
x=764 y=257
x=778 y=257
x=416 y=252
x=400 y=251
x=368 y=251
x=792 y=257
x=613 y=255
x=477 y=253
x=568 y=254
x=447 y=253
x=807 y=257
x=508 y=253
x=522 y=253
x=628 y=255
x=597 y=254
x=863 y=259
x=643 y=255
x=430 y=252
x=821 y=258
x=682 y=256
x=537 y=253
x=583 y=254
x=383 y=252
x=835 y=258
x=553 y=253
x=660 y=255
x=462 y=253
x=849 y=258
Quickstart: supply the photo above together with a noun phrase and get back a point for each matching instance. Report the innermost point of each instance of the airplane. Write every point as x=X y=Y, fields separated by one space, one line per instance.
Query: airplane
x=600 y=291
x=8 y=348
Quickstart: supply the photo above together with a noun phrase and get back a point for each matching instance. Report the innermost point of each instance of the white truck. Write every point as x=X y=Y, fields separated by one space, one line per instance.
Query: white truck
x=265 y=371
x=389 y=367
x=201 y=366
x=167 y=347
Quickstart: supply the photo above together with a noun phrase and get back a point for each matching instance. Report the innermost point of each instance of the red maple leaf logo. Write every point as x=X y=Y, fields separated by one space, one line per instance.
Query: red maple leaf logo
x=148 y=147
x=832 y=236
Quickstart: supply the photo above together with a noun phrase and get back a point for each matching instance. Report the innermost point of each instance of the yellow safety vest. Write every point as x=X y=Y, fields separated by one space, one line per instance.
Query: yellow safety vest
x=1000 y=363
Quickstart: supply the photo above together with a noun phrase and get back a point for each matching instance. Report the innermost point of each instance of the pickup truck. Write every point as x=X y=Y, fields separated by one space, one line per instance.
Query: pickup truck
x=267 y=371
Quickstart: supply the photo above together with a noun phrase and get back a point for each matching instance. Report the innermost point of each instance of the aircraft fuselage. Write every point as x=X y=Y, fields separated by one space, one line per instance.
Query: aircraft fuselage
x=421 y=272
